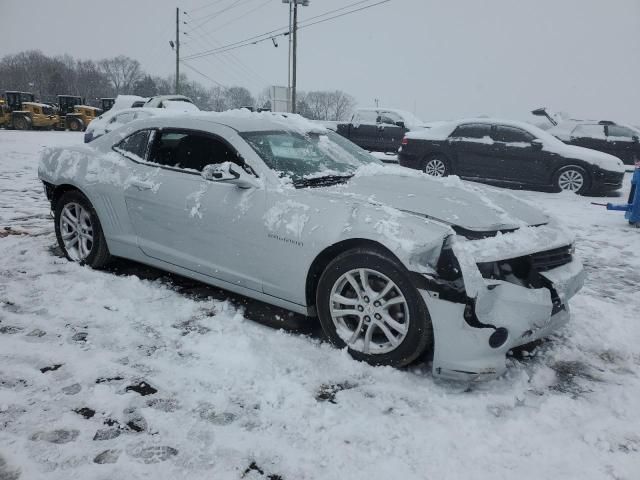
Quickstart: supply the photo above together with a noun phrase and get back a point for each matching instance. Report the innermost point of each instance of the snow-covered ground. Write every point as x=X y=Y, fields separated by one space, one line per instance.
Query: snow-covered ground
x=130 y=373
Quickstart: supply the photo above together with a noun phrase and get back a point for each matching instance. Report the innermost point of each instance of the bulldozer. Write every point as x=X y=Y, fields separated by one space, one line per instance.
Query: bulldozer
x=19 y=110
x=73 y=114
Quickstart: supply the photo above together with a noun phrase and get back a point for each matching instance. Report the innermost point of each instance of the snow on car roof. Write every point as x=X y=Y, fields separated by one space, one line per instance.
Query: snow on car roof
x=442 y=130
x=244 y=120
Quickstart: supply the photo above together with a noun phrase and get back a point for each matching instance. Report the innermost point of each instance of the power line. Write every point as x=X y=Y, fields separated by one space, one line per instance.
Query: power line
x=244 y=15
x=233 y=63
x=204 y=37
x=207 y=18
x=278 y=32
x=206 y=5
x=203 y=74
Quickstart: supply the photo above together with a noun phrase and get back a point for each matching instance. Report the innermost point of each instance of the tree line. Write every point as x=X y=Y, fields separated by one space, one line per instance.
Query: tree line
x=49 y=76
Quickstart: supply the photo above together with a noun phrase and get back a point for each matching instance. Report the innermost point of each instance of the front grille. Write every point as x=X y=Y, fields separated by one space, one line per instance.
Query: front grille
x=543 y=261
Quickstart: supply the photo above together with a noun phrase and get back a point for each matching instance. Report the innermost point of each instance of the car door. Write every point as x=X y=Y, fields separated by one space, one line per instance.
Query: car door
x=364 y=130
x=208 y=227
x=391 y=130
x=521 y=160
x=623 y=143
x=472 y=149
x=590 y=135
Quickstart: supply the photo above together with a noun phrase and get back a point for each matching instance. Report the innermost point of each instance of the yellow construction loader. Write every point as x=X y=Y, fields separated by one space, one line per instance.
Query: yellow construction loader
x=19 y=110
x=73 y=114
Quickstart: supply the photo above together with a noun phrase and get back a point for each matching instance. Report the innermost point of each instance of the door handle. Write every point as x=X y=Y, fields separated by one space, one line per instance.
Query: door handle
x=142 y=185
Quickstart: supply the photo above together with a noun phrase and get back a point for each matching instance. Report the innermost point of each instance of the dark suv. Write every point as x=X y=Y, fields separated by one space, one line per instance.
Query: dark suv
x=622 y=141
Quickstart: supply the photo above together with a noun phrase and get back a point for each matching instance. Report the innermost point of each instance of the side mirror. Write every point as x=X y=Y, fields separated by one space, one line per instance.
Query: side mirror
x=537 y=144
x=635 y=139
x=400 y=123
x=229 y=173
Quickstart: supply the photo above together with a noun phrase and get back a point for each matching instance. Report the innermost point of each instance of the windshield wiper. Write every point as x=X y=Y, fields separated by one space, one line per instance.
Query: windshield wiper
x=323 y=181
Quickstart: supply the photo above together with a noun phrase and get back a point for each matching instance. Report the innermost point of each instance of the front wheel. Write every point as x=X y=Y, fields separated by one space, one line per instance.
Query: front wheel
x=75 y=125
x=436 y=166
x=367 y=303
x=79 y=232
x=572 y=179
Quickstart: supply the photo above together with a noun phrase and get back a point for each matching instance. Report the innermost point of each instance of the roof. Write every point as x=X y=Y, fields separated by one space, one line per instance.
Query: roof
x=245 y=121
x=444 y=129
x=37 y=104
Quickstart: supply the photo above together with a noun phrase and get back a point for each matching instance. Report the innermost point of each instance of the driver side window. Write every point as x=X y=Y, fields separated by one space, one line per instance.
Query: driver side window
x=135 y=146
x=389 y=118
x=191 y=150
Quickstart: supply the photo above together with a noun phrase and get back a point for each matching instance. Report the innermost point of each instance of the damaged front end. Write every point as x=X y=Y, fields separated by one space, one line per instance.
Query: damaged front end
x=484 y=301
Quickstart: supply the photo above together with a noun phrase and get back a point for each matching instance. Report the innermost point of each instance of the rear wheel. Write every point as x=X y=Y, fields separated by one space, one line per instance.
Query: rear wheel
x=572 y=179
x=79 y=232
x=75 y=125
x=367 y=303
x=21 y=123
x=437 y=166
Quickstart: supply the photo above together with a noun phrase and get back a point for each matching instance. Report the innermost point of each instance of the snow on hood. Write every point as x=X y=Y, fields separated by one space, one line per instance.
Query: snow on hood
x=449 y=200
x=601 y=159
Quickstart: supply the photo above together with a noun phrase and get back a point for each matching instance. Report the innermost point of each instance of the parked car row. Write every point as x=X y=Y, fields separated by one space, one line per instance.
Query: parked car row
x=509 y=153
x=394 y=264
x=378 y=129
x=121 y=114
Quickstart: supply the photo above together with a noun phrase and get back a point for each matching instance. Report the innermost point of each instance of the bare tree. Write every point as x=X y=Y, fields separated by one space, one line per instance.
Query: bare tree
x=123 y=72
x=217 y=99
x=342 y=105
x=239 y=97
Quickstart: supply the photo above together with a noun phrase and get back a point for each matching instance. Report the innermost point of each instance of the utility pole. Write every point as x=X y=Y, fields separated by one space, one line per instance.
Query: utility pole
x=177 y=50
x=295 y=57
x=289 y=63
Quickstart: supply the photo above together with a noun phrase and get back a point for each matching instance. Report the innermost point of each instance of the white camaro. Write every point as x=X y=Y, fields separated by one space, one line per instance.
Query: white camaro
x=395 y=264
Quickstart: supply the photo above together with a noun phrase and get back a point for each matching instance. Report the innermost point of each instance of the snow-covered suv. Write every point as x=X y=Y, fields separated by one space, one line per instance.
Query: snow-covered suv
x=393 y=262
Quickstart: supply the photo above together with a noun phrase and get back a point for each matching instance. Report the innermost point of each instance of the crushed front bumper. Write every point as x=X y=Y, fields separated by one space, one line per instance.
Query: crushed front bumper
x=471 y=339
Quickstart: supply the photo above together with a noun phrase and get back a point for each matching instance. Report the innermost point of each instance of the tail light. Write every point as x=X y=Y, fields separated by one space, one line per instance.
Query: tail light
x=405 y=141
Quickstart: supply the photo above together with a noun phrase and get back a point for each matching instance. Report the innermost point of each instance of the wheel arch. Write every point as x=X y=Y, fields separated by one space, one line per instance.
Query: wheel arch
x=584 y=166
x=325 y=257
x=56 y=192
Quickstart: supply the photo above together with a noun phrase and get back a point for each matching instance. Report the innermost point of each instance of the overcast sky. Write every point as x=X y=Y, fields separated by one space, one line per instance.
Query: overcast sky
x=440 y=59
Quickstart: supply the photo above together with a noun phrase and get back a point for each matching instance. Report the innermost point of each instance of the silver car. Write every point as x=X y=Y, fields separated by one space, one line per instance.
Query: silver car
x=395 y=264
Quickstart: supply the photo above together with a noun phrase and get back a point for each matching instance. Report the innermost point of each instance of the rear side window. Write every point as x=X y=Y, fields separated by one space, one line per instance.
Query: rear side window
x=619 y=131
x=508 y=134
x=134 y=146
x=190 y=151
x=472 y=130
x=588 y=131
x=123 y=118
x=366 y=117
x=390 y=118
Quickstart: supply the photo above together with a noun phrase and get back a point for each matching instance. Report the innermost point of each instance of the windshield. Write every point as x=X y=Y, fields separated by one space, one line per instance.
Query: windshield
x=313 y=155
x=410 y=118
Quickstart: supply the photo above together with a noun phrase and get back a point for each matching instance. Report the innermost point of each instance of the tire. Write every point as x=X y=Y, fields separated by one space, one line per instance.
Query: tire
x=75 y=125
x=572 y=178
x=91 y=248
x=411 y=326
x=21 y=123
x=437 y=165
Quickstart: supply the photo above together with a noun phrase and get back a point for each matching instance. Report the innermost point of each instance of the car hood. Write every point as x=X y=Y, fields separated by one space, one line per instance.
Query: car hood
x=464 y=205
x=600 y=159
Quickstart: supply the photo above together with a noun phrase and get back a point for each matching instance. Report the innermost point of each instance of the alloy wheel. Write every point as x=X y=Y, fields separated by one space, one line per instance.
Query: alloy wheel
x=76 y=231
x=571 y=180
x=435 y=167
x=369 y=311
